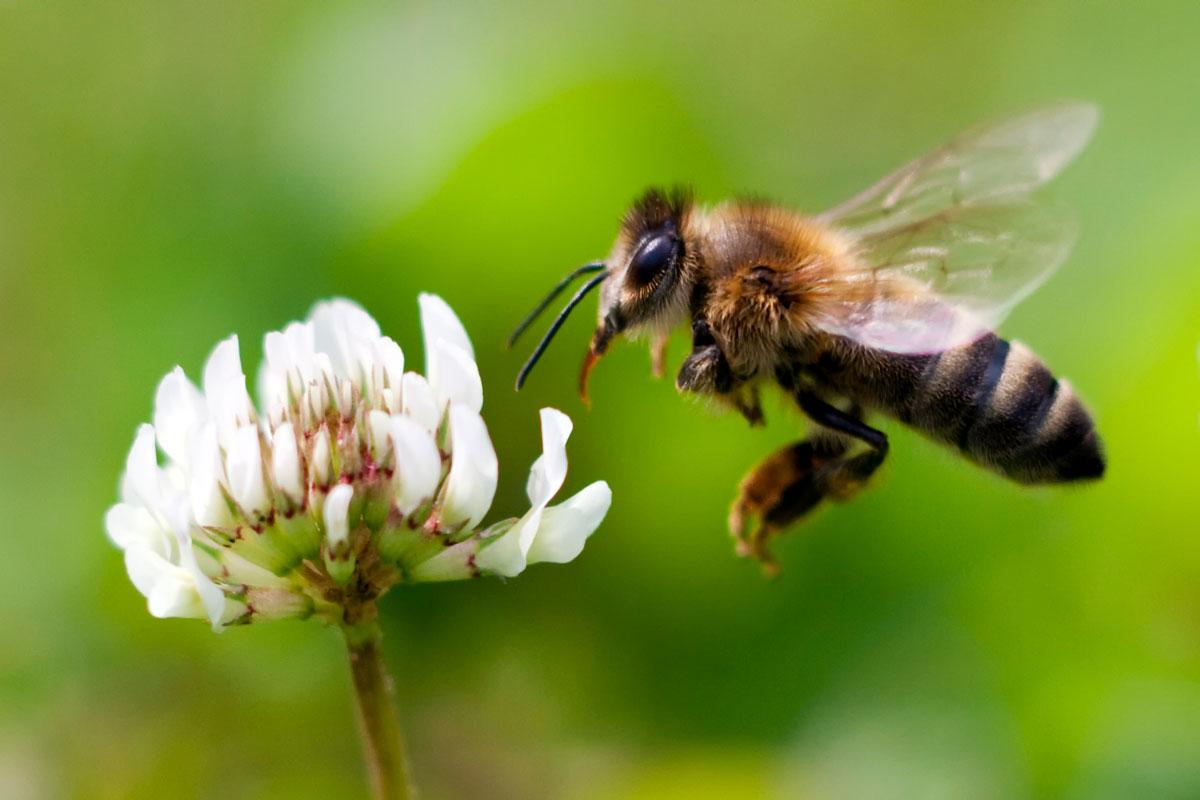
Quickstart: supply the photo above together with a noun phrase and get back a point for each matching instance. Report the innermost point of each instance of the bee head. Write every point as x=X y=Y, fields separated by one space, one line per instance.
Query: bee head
x=650 y=273
x=648 y=281
x=645 y=283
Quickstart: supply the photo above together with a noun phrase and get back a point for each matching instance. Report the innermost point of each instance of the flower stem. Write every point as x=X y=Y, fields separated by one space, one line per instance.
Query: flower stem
x=383 y=744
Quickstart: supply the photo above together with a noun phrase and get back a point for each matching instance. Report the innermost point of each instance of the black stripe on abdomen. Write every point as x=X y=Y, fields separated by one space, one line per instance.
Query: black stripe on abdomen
x=1033 y=428
x=998 y=403
x=984 y=391
x=943 y=401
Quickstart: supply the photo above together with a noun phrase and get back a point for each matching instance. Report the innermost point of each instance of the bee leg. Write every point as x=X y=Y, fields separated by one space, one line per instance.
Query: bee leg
x=658 y=355
x=780 y=490
x=705 y=370
x=749 y=405
x=793 y=481
x=842 y=479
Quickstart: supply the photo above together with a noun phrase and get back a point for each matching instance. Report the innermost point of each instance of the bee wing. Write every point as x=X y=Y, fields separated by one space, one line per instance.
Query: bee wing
x=948 y=244
x=995 y=162
x=945 y=281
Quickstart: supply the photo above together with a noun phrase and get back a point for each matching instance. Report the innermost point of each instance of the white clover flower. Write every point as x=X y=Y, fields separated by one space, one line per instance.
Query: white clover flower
x=354 y=476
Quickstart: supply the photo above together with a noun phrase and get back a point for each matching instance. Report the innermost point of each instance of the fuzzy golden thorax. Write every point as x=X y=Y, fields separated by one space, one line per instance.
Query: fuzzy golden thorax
x=767 y=274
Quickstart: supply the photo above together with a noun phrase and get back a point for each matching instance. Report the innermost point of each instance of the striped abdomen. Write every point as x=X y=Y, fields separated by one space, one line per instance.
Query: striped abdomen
x=993 y=400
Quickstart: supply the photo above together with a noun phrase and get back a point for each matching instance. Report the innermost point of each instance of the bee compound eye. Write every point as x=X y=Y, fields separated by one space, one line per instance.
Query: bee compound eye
x=654 y=256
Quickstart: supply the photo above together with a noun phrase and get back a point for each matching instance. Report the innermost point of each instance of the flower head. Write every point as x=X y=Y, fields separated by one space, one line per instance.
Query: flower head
x=354 y=475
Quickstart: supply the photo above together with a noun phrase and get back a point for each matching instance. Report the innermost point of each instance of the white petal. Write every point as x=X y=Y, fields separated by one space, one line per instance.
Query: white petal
x=336 y=513
x=225 y=388
x=387 y=373
x=449 y=357
x=438 y=321
x=287 y=365
x=320 y=462
x=389 y=354
x=139 y=484
x=244 y=468
x=274 y=389
x=389 y=400
x=317 y=395
x=347 y=333
x=285 y=463
x=507 y=555
x=145 y=567
x=176 y=596
x=204 y=480
x=170 y=590
x=420 y=403
x=273 y=396
x=211 y=597
x=566 y=526
x=277 y=355
x=454 y=376
x=418 y=463
x=290 y=351
x=471 y=483
x=379 y=430
x=504 y=555
x=550 y=470
x=179 y=409
x=133 y=526
x=345 y=398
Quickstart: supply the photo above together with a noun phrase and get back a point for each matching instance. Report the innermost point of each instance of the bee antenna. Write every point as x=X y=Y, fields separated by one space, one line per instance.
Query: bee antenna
x=595 y=266
x=558 y=323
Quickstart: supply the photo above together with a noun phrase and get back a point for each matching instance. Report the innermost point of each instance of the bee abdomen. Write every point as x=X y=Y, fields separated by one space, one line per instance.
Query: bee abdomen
x=999 y=404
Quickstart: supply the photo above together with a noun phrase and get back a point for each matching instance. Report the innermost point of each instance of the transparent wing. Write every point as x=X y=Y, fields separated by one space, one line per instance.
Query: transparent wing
x=949 y=243
x=948 y=279
x=990 y=163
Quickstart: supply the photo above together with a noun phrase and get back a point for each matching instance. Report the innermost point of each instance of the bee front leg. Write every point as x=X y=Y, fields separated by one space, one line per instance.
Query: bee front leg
x=705 y=370
x=749 y=404
x=658 y=354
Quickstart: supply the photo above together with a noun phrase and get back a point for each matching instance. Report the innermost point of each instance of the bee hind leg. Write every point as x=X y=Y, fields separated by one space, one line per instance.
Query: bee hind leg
x=778 y=492
x=846 y=476
x=791 y=482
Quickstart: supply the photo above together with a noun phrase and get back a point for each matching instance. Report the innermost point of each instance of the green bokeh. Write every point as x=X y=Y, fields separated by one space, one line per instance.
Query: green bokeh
x=171 y=173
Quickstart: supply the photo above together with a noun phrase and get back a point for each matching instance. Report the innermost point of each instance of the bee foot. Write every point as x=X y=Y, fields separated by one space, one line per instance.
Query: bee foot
x=754 y=546
x=751 y=409
x=705 y=371
x=775 y=494
x=750 y=537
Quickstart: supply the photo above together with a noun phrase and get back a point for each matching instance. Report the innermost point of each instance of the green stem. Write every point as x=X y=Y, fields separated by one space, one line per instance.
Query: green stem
x=383 y=745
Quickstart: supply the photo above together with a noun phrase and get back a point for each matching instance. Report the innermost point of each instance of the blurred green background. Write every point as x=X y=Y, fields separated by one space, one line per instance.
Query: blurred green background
x=171 y=173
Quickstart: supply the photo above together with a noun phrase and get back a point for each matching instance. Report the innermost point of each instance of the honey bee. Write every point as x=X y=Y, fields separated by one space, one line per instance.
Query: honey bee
x=886 y=303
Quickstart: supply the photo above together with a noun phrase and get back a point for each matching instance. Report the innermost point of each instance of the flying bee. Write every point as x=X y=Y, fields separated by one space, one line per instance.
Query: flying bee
x=886 y=303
